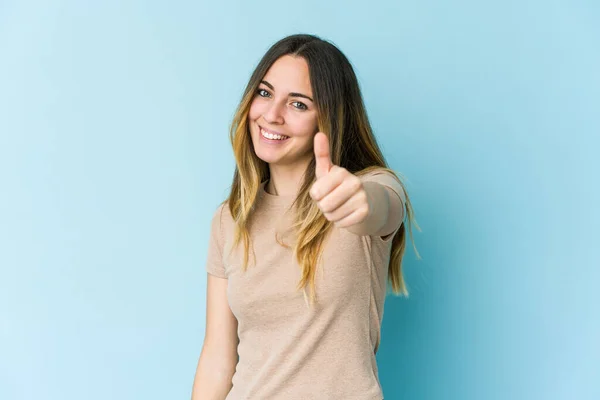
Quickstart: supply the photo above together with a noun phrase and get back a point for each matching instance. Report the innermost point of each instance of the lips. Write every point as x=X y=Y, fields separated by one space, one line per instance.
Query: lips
x=261 y=129
x=271 y=131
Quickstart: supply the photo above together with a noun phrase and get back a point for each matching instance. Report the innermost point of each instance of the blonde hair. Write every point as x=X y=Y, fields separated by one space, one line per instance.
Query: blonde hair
x=342 y=117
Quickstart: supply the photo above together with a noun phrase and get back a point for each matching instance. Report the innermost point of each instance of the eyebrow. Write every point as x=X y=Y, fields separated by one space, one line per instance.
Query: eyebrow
x=292 y=94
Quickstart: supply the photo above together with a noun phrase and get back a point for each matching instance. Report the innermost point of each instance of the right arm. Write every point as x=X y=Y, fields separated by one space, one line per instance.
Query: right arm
x=219 y=351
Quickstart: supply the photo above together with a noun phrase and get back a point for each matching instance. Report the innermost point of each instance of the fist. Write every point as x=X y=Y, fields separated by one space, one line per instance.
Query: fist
x=339 y=194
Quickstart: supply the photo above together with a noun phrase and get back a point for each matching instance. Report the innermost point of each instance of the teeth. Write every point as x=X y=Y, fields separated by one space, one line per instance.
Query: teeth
x=272 y=136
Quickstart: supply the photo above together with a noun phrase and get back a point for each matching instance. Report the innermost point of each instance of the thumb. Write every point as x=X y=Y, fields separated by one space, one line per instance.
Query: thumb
x=322 y=156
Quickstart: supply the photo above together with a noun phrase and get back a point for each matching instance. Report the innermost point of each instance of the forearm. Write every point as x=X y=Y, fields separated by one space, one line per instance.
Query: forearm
x=213 y=379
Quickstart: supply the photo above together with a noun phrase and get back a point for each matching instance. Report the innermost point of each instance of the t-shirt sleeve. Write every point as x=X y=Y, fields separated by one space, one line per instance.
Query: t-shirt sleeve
x=214 y=258
x=389 y=180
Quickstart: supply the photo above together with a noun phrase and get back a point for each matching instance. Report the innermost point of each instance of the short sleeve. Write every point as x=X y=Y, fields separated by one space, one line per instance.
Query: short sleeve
x=389 y=180
x=214 y=258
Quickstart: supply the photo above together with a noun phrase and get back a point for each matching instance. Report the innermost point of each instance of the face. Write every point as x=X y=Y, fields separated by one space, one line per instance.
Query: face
x=282 y=116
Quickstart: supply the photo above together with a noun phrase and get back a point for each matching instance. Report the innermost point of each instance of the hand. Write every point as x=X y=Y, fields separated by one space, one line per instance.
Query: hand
x=338 y=193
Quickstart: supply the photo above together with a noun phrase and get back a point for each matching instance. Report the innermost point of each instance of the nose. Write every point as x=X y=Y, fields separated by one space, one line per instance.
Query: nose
x=273 y=114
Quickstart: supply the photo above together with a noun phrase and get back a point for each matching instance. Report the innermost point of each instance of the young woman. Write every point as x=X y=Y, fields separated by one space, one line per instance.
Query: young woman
x=301 y=251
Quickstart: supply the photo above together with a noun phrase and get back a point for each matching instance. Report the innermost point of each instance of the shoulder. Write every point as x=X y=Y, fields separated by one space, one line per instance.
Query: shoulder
x=221 y=208
x=384 y=176
x=370 y=173
x=221 y=217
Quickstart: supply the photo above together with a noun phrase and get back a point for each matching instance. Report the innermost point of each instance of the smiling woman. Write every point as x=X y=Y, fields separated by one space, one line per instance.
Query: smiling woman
x=327 y=221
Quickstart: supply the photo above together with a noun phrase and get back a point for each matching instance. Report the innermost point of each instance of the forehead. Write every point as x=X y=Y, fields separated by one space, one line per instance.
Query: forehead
x=289 y=74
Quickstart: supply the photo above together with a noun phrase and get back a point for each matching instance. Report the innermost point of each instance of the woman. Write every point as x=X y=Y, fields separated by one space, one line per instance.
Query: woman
x=300 y=252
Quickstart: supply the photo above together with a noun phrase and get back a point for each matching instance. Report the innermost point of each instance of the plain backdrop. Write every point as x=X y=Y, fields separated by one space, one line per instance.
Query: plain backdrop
x=114 y=154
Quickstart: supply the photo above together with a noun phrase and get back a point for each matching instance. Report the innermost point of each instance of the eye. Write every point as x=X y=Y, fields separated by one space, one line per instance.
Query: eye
x=300 y=106
x=263 y=93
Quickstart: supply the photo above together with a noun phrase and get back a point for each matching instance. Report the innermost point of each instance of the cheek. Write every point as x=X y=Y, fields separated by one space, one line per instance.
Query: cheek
x=304 y=129
x=256 y=110
x=303 y=125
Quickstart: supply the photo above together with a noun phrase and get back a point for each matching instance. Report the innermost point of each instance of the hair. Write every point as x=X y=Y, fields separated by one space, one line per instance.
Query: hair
x=341 y=115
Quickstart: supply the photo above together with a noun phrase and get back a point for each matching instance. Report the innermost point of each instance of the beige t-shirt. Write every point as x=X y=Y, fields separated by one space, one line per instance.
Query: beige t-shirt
x=286 y=350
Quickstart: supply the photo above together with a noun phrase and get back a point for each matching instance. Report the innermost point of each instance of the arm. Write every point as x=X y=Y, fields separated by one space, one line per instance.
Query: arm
x=219 y=351
x=371 y=206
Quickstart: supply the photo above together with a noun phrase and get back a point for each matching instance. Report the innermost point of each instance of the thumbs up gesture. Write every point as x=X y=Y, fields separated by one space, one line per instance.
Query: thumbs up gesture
x=338 y=193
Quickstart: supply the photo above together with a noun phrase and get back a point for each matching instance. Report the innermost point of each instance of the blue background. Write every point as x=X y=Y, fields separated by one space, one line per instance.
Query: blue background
x=114 y=154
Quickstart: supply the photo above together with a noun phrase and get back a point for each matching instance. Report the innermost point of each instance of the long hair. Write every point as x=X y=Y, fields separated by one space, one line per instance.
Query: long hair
x=343 y=118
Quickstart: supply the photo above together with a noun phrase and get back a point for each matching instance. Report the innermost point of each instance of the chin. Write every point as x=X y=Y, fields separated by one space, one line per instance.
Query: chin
x=268 y=158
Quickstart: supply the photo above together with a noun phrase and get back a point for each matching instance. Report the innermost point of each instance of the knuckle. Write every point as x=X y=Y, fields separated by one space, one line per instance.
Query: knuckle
x=363 y=212
x=362 y=196
x=341 y=171
x=314 y=191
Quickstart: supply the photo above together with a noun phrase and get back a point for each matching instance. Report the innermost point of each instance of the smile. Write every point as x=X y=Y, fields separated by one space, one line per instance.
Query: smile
x=272 y=136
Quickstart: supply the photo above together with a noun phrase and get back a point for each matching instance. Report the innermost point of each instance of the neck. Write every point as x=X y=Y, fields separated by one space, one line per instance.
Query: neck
x=285 y=180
